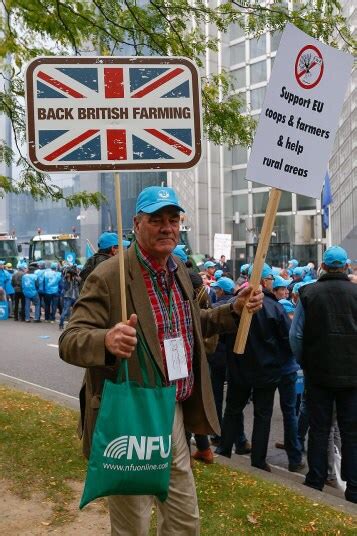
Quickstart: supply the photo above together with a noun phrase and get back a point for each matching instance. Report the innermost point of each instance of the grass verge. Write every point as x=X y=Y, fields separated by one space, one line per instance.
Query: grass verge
x=39 y=451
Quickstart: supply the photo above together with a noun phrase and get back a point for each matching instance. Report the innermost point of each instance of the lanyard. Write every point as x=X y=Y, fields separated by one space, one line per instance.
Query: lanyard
x=158 y=290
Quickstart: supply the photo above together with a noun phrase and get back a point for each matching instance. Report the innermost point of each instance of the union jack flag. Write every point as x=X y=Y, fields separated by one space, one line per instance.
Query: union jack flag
x=95 y=113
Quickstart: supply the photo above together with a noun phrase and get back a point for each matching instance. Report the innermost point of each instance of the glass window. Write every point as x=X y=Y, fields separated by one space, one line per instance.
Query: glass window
x=257 y=46
x=258 y=185
x=239 y=231
x=228 y=180
x=239 y=182
x=243 y=98
x=275 y=40
x=260 y=201
x=240 y=204
x=285 y=204
x=235 y=31
x=237 y=53
x=239 y=155
x=258 y=72
x=257 y=98
x=228 y=207
x=238 y=78
x=305 y=203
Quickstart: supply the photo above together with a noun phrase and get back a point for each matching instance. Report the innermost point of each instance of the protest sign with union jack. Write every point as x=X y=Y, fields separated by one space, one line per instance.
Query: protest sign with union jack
x=110 y=113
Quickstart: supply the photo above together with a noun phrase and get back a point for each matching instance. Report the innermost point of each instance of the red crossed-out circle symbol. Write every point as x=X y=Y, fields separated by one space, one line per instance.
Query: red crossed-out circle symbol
x=309 y=67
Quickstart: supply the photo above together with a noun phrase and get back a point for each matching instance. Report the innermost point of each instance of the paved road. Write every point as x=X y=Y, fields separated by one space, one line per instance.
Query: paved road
x=29 y=355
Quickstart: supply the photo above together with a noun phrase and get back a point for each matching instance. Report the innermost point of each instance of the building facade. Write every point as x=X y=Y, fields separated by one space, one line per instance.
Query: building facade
x=215 y=194
x=343 y=163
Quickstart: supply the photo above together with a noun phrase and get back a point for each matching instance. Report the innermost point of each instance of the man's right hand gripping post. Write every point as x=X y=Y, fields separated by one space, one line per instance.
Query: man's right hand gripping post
x=121 y=339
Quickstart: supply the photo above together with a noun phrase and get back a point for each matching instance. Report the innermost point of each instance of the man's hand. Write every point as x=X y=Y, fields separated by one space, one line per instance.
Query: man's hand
x=121 y=339
x=253 y=300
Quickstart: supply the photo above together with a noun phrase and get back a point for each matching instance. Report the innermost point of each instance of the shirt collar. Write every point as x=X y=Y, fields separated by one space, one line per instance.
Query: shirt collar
x=153 y=266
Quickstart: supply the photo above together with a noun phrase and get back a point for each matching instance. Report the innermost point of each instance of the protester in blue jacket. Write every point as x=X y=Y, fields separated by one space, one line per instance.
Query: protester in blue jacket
x=30 y=289
x=4 y=277
x=51 y=283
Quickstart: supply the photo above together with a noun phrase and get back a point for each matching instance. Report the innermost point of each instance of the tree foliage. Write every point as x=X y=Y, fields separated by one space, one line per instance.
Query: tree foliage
x=30 y=28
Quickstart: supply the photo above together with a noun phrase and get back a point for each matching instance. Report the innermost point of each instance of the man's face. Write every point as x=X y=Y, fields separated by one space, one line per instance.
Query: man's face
x=268 y=283
x=158 y=233
x=211 y=270
x=204 y=279
x=281 y=293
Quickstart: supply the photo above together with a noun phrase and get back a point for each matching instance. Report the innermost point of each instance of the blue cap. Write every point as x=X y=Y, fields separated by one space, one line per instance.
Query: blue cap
x=280 y=282
x=266 y=272
x=154 y=198
x=335 y=257
x=244 y=269
x=224 y=283
x=348 y=261
x=179 y=251
x=299 y=271
x=288 y=305
x=218 y=274
x=209 y=264
x=293 y=262
x=276 y=270
x=108 y=240
x=297 y=287
x=126 y=244
x=2 y=263
x=54 y=265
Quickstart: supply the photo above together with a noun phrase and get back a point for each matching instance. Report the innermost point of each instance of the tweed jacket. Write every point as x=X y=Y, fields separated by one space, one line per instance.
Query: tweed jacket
x=98 y=309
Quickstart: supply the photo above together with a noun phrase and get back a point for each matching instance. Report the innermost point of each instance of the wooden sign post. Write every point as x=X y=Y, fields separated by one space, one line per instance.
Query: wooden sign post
x=124 y=314
x=259 y=259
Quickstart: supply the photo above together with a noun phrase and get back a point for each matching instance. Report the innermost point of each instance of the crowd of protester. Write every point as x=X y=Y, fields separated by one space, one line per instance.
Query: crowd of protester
x=46 y=292
x=272 y=362
x=39 y=291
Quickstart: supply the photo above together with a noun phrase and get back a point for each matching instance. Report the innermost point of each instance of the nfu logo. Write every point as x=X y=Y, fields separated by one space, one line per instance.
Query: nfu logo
x=126 y=445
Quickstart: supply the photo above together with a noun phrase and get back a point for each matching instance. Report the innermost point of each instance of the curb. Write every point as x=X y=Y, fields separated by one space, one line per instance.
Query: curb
x=294 y=481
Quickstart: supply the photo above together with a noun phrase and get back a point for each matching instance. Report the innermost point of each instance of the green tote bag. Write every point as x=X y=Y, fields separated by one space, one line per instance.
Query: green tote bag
x=131 y=447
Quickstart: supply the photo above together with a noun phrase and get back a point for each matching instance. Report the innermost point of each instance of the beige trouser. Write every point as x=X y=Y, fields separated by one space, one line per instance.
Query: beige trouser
x=178 y=515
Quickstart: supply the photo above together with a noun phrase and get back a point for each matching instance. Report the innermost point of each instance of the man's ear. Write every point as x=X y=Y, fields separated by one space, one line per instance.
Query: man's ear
x=263 y=283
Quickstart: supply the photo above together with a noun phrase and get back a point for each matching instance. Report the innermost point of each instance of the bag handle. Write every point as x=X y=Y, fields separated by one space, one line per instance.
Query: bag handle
x=142 y=349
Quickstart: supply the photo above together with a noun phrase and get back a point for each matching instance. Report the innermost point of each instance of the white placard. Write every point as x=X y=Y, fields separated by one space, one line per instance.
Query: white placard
x=299 y=117
x=222 y=245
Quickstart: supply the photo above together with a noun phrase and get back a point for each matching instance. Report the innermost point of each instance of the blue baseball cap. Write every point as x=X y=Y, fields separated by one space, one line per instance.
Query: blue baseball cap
x=126 y=244
x=54 y=265
x=244 y=269
x=108 y=240
x=288 y=306
x=299 y=271
x=154 y=198
x=2 y=263
x=209 y=264
x=179 y=251
x=266 y=272
x=224 y=283
x=297 y=287
x=218 y=274
x=335 y=257
x=293 y=262
x=280 y=282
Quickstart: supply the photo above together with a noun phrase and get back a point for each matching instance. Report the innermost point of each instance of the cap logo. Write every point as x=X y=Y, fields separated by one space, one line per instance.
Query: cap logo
x=163 y=195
